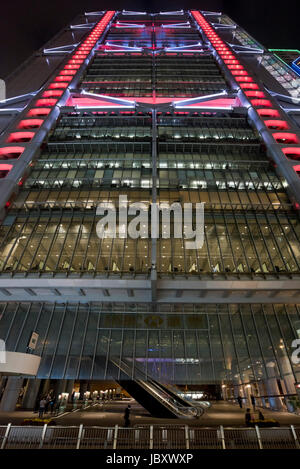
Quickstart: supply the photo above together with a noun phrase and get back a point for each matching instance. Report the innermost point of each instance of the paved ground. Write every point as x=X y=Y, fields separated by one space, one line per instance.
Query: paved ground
x=220 y=413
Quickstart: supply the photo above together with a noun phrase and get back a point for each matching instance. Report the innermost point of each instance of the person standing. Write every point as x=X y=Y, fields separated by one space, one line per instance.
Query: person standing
x=248 y=418
x=127 y=416
x=240 y=401
x=42 y=406
x=52 y=405
x=261 y=416
x=253 y=402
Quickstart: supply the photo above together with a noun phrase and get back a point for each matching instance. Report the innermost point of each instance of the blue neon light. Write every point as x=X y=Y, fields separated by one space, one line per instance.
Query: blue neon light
x=296 y=65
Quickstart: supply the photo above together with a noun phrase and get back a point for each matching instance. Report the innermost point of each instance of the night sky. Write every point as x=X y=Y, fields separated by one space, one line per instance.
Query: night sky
x=26 y=26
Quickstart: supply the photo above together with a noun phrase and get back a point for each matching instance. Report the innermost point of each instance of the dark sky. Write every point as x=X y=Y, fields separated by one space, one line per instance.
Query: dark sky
x=26 y=25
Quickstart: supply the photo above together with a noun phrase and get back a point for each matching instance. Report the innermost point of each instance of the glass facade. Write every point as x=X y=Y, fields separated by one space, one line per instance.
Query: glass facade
x=203 y=153
x=183 y=344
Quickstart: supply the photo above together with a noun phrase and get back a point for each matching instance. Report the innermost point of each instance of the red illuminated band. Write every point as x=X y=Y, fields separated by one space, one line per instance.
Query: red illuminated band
x=251 y=90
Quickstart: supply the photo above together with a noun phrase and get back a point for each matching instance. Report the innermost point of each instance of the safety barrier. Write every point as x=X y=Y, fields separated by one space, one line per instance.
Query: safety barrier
x=174 y=437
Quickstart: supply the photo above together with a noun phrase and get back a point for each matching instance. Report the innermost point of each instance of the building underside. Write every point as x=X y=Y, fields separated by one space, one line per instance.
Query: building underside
x=175 y=107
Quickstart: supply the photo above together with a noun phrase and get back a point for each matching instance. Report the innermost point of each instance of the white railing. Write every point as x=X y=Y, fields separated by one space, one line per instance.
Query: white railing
x=147 y=437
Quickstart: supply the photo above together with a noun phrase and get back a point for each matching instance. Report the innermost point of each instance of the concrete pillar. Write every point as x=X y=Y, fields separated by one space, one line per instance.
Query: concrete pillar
x=60 y=387
x=11 y=394
x=46 y=387
x=298 y=390
x=2 y=385
x=262 y=392
x=287 y=372
x=272 y=387
x=83 y=388
x=70 y=387
x=31 y=393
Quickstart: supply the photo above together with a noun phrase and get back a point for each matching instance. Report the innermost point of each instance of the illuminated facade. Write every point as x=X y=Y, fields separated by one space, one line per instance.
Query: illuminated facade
x=168 y=107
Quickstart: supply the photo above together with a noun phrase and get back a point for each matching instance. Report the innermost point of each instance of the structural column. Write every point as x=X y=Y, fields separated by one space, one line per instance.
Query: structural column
x=69 y=387
x=11 y=394
x=83 y=388
x=60 y=387
x=272 y=387
x=31 y=393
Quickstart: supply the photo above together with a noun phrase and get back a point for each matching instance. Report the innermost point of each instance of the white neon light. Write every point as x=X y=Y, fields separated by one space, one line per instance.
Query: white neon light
x=246 y=49
x=213 y=13
x=121 y=106
x=217 y=108
x=61 y=49
x=185 y=50
x=19 y=97
x=178 y=12
x=200 y=98
x=11 y=110
x=129 y=25
x=132 y=13
x=290 y=98
x=94 y=13
x=177 y=25
x=224 y=26
x=109 y=98
x=82 y=26
x=122 y=48
x=180 y=48
x=287 y=109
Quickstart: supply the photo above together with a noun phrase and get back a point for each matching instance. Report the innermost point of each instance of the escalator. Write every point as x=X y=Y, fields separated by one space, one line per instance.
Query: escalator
x=158 y=399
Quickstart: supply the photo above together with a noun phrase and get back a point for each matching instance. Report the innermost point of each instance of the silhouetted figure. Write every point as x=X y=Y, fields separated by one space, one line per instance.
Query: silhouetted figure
x=240 y=401
x=261 y=416
x=247 y=417
x=253 y=401
x=127 y=416
x=52 y=405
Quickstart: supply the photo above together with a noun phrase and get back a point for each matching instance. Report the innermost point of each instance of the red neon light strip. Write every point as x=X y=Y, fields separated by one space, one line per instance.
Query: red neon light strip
x=246 y=82
x=47 y=101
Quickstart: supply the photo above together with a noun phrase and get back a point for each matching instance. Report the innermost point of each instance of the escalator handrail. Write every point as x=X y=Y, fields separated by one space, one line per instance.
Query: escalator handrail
x=171 y=394
x=173 y=406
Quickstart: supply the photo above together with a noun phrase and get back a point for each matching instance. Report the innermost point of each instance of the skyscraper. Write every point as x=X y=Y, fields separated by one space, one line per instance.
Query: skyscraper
x=170 y=108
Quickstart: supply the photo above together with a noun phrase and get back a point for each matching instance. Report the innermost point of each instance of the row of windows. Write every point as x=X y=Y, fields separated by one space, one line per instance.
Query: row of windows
x=70 y=122
x=233 y=244
x=212 y=149
x=211 y=122
x=88 y=147
x=139 y=77
x=164 y=133
x=169 y=90
x=87 y=158
x=99 y=133
x=207 y=134
x=217 y=197
x=242 y=180
x=217 y=158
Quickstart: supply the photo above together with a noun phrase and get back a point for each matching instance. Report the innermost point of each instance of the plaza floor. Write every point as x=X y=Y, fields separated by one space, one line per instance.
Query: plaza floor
x=111 y=413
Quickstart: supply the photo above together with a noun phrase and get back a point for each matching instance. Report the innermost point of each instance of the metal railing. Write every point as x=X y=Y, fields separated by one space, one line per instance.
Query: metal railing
x=147 y=437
